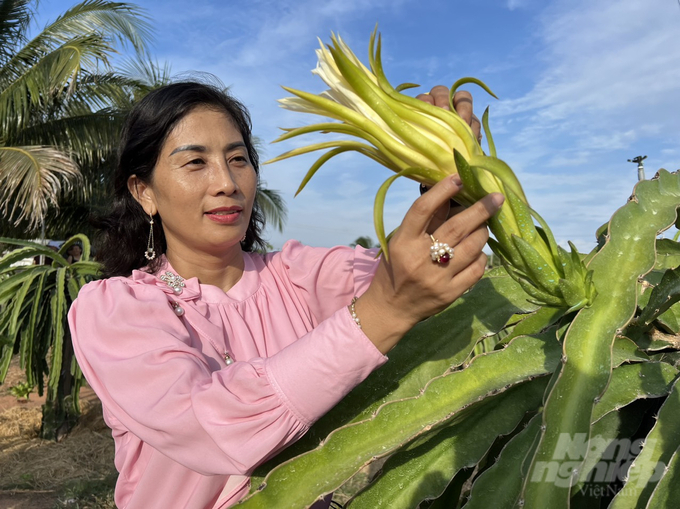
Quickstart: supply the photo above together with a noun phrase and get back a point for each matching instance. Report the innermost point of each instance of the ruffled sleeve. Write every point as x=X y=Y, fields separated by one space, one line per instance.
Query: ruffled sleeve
x=327 y=278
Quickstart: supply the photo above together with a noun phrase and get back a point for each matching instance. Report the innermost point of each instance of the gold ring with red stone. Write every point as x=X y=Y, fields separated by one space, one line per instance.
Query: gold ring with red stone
x=440 y=252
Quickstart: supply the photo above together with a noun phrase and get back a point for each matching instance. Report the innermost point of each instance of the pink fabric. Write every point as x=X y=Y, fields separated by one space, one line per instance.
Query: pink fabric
x=185 y=424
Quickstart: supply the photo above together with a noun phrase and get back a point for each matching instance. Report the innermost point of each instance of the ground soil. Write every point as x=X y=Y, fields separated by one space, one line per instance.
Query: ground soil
x=35 y=473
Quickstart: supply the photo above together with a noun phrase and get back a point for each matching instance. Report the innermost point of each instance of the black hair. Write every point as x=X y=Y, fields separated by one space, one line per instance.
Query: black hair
x=124 y=231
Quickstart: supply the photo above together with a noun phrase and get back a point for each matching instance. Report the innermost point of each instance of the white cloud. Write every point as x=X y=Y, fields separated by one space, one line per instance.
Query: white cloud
x=518 y=4
x=604 y=61
x=604 y=85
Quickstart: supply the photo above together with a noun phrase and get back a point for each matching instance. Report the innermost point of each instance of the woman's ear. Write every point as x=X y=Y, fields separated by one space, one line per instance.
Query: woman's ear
x=142 y=192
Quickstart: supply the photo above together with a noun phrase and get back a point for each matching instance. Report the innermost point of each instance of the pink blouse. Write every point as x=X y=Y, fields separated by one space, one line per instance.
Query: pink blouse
x=189 y=428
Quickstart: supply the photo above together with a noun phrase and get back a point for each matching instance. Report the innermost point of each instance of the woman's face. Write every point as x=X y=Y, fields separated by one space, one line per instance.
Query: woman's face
x=203 y=185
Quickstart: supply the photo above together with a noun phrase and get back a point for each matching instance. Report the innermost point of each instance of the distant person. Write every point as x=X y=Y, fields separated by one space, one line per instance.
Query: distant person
x=74 y=253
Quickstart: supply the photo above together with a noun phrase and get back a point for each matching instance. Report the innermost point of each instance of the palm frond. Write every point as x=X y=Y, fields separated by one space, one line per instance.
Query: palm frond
x=90 y=137
x=146 y=73
x=109 y=20
x=95 y=92
x=15 y=16
x=104 y=90
x=98 y=19
x=73 y=215
x=114 y=20
x=48 y=77
x=91 y=197
x=273 y=206
x=32 y=178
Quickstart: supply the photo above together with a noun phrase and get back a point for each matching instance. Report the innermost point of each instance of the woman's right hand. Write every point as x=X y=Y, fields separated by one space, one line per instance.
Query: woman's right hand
x=411 y=287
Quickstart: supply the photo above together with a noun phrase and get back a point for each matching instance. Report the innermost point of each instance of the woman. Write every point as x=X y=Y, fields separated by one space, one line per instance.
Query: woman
x=74 y=253
x=210 y=358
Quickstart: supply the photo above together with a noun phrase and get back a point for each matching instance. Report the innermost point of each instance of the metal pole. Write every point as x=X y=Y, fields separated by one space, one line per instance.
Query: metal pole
x=41 y=259
x=641 y=166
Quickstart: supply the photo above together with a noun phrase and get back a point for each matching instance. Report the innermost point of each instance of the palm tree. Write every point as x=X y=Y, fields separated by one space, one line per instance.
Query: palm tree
x=60 y=108
x=365 y=242
x=271 y=202
x=60 y=104
x=273 y=206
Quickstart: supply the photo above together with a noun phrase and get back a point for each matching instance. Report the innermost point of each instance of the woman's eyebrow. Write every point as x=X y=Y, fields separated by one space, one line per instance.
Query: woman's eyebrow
x=193 y=148
x=236 y=144
x=201 y=148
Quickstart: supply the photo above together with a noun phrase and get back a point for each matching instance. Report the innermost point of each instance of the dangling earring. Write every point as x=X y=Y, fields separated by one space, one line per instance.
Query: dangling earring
x=150 y=253
x=244 y=237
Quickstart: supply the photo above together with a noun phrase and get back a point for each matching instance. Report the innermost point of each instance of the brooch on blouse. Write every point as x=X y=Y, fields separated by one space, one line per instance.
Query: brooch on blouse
x=177 y=284
x=173 y=281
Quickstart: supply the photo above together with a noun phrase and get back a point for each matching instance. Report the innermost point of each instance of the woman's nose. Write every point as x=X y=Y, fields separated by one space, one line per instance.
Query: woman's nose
x=224 y=181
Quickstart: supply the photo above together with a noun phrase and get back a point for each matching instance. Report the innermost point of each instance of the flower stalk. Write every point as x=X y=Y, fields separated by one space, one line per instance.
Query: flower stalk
x=426 y=143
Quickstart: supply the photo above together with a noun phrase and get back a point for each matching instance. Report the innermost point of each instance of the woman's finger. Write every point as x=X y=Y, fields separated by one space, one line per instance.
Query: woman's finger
x=422 y=211
x=462 y=102
x=440 y=96
x=439 y=217
x=454 y=230
x=453 y=208
x=466 y=251
x=426 y=98
x=476 y=126
x=469 y=275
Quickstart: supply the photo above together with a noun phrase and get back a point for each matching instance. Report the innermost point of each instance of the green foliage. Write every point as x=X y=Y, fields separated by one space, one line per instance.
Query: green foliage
x=499 y=403
x=21 y=391
x=272 y=205
x=88 y=494
x=35 y=300
x=364 y=241
x=61 y=106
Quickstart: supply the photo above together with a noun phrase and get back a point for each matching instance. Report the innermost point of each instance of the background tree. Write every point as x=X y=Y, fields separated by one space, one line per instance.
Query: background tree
x=61 y=104
x=366 y=242
x=89 y=137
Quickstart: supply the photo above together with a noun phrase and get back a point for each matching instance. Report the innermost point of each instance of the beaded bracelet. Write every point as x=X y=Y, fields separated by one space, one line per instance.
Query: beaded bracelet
x=353 y=312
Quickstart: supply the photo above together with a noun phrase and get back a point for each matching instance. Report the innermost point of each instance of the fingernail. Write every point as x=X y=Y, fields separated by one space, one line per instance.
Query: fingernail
x=497 y=199
x=455 y=178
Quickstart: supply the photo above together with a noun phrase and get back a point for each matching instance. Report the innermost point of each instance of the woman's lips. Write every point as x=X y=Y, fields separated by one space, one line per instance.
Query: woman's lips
x=224 y=216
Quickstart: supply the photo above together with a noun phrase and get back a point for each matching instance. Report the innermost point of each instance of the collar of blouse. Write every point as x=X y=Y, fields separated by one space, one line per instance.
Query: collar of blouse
x=181 y=292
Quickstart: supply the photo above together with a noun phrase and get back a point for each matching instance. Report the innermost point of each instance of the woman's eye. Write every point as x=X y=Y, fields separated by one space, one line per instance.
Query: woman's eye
x=240 y=159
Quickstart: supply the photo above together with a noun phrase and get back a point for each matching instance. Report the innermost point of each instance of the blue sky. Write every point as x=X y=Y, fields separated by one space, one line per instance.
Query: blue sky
x=583 y=85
